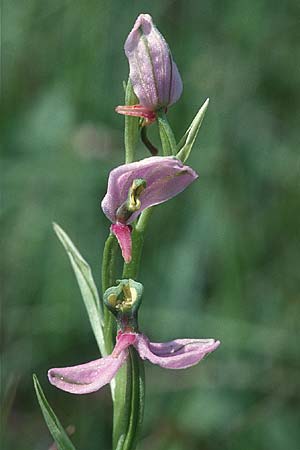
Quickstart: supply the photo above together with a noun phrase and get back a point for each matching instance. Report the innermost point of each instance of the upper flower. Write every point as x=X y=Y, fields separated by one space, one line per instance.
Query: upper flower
x=153 y=73
x=89 y=377
x=136 y=186
x=163 y=178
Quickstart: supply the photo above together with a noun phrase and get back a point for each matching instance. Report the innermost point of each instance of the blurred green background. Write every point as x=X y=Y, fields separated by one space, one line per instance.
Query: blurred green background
x=230 y=243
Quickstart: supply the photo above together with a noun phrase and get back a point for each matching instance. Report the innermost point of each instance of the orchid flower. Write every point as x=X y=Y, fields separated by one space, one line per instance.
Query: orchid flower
x=124 y=301
x=136 y=186
x=89 y=377
x=153 y=73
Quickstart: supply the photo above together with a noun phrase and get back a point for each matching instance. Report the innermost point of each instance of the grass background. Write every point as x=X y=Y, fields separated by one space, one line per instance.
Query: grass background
x=221 y=260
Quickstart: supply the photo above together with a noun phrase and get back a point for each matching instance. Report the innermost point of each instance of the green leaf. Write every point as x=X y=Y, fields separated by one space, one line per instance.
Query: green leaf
x=56 y=429
x=87 y=286
x=186 y=143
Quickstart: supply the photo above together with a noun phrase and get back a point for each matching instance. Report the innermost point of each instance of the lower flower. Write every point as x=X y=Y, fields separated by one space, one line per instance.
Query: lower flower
x=89 y=377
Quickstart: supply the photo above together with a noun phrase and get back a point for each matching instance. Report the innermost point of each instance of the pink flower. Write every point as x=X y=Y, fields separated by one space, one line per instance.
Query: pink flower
x=89 y=377
x=136 y=186
x=153 y=73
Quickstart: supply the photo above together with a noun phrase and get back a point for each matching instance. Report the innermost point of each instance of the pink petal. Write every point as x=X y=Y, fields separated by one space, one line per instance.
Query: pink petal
x=177 y=354
x=123 y=235
x=90 y=377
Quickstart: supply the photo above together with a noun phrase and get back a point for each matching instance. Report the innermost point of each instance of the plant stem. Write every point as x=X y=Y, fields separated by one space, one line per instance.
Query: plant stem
x=153 y=150
x=108 y=279
x=131 y=125
x=144 y=219
x=131 y=270
x=129 y=402
x=130 y=381
x=137 y=399
x=128 y=393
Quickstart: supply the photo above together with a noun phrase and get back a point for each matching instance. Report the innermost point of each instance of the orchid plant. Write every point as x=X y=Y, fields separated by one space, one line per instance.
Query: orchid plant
x=134 y=188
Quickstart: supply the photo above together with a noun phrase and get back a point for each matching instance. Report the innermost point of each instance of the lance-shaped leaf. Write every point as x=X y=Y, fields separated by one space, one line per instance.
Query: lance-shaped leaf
x=87 y=286
x=186 y=143
x=54 y=426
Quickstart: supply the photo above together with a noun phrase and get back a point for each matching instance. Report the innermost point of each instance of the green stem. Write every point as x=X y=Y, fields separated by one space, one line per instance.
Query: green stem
x=137 y=399
x=128 y=394
x=130 y=383
x=108 y=279
x=129 y=402
x=166 y=134
x=153 y=150
x=144 y=219
x=122 y=402
x=131 y=270
x=131 y=132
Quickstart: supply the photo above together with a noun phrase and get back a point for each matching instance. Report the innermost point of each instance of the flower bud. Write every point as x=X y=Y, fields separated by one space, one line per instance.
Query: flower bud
x=153 y=73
